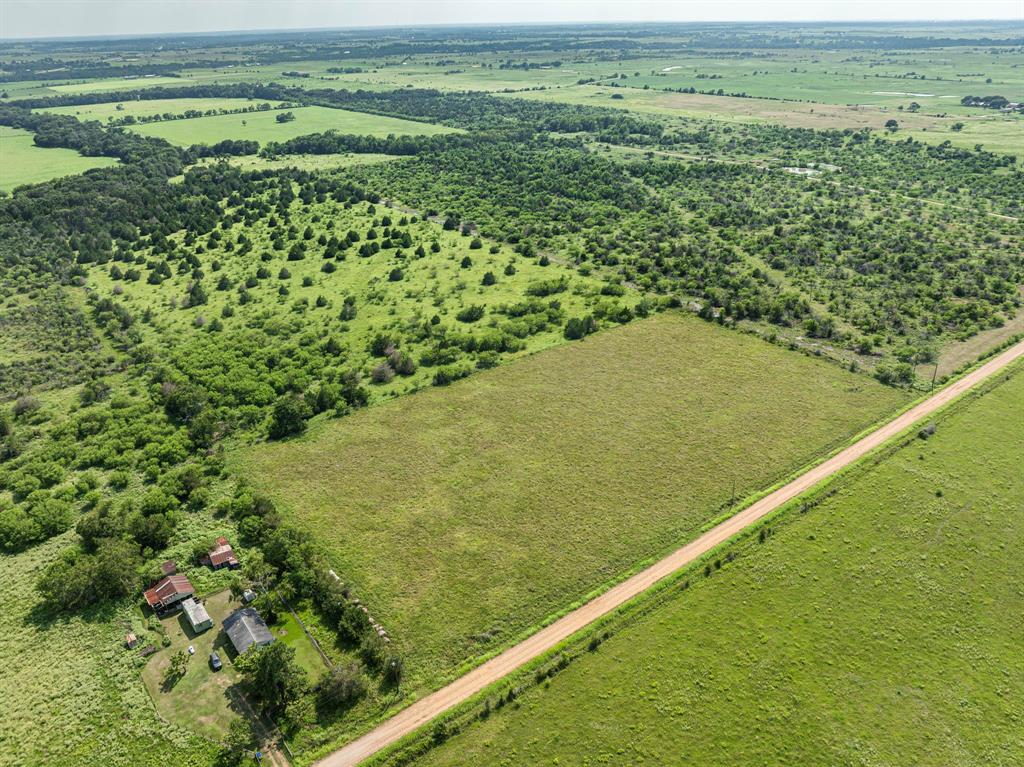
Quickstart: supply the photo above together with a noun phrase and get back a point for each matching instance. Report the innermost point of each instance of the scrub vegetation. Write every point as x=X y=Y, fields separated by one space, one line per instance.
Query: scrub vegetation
x=479 y=320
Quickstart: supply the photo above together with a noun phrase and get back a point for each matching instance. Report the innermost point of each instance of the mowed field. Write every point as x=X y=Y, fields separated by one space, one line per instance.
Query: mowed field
x=994 y=131
x=147 y=108
x=465 y=516
x=883 y=627
x=22 y=162
x=263 y=126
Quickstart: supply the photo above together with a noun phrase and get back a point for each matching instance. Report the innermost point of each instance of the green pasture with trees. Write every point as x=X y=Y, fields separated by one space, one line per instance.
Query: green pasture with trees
x=242 y=281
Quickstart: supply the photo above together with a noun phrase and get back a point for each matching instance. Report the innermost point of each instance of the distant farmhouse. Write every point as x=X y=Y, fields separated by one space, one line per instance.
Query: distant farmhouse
x=221 y=555
x=168 y=593
x=245 y=628
x=196 y=614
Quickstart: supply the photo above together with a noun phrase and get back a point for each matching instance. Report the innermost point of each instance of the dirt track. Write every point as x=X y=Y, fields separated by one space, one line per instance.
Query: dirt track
x=424 y=710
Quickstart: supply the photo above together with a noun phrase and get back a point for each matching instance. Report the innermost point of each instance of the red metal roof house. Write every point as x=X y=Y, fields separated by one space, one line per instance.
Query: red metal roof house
x=168 y=592
x=222 y=555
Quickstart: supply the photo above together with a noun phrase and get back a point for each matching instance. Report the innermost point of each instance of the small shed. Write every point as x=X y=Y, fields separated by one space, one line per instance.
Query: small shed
x=131 y=640
x=248 y=595
x=169 y=567
x=221 y=555
x=196 y=615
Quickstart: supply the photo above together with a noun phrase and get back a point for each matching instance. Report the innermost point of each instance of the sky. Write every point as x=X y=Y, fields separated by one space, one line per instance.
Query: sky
x=82 y=18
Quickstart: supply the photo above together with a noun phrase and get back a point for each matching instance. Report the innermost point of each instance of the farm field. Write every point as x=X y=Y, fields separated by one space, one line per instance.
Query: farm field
x=883 y=626
x=22 y=162
x=501 y=500
x=264 y=127
x=997 y=133
x=147 y=108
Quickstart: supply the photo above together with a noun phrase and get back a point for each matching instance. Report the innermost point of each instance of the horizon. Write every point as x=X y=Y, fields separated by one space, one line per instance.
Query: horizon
x=22 y=21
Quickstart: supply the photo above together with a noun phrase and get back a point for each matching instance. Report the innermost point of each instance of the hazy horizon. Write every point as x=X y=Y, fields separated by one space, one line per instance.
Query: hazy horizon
x=42 y=19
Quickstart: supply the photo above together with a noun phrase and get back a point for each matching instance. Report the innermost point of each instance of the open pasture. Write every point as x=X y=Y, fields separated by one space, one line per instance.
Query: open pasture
x=22 y=162
x=995 y=132
x=463 y=516
x=142 y=108
x=882 y=627
x=264 y=126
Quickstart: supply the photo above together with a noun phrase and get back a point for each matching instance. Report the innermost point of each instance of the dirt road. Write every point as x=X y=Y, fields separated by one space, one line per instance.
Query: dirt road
x=424 y=710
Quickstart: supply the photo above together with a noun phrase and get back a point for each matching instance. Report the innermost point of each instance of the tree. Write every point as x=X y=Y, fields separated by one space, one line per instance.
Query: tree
x=274 y=677
x=891 y=125
x=285 y=117
x=177 y=668
x=344 y=685
x=289 y=417
x=239 y=743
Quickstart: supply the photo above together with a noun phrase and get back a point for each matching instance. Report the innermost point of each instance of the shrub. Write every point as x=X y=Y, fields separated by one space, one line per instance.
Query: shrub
x=470 y=313
x=382 y=373
x=26 y=405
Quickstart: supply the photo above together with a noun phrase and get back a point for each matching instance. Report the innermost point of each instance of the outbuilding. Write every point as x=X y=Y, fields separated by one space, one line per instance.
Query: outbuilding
x=196 y=615
x=246 y=628
x=168 y=593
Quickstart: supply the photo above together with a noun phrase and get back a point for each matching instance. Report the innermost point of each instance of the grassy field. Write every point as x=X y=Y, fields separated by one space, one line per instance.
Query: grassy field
x=22 y=162
x=995 y=132
x=466 y=515
x=126 y=83
x=884 y=627
x=72 y=691
x=147 y=108
x=263 y=126
x=310 y=162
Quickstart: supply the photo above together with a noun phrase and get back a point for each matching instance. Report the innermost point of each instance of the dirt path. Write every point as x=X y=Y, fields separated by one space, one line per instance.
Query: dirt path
x=424 y=710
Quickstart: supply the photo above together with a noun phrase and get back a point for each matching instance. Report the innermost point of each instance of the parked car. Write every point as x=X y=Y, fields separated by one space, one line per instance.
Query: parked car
x=191 y=650
x=215 y=663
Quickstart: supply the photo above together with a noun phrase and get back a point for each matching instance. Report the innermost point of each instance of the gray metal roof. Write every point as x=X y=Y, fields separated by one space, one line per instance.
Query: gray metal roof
x=245 y=628
x=195 y=612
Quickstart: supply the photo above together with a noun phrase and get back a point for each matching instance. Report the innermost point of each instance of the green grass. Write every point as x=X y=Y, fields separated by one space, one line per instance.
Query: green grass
x=467 y=515
x=288 y=630
x=119 y=109
x=71 y=690
x=263 y=126
x=22 y=162
x=117 y=84
x=884 y=627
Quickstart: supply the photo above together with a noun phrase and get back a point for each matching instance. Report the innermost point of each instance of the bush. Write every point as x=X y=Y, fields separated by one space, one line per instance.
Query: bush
x=26 y=405
x=382 y=373
x=470 y=314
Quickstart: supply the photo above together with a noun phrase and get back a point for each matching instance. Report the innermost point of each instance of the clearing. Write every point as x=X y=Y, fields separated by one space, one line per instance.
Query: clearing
x=22 y=162
x=883 y=626
x=465 y=516
x=264 y=127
